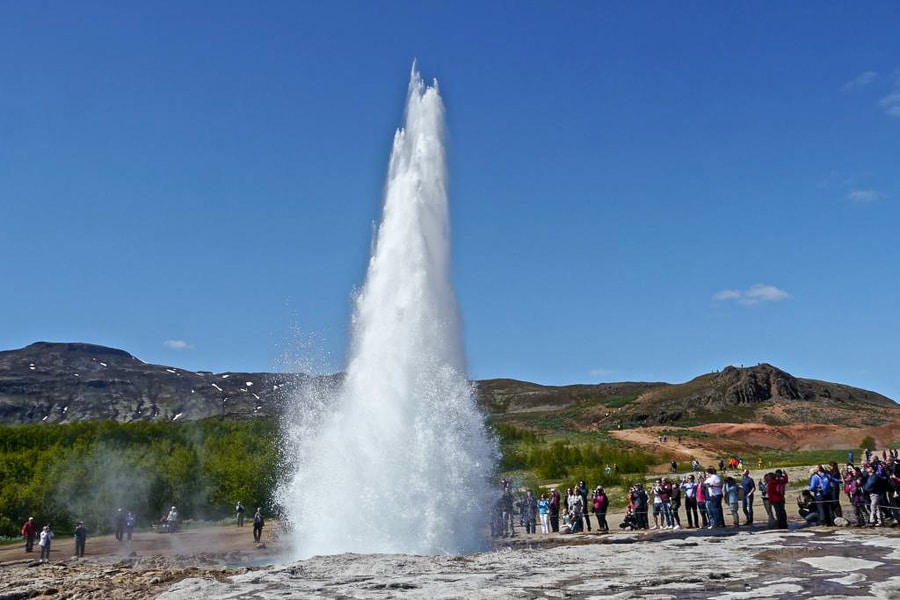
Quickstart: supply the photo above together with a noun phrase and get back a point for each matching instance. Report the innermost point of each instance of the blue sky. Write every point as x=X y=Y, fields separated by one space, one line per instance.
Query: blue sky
x=640 y=191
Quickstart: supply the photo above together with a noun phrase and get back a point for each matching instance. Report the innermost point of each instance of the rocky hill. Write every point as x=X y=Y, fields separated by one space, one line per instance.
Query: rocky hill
x=63 y=382
x=759 y=394
x=56 y=383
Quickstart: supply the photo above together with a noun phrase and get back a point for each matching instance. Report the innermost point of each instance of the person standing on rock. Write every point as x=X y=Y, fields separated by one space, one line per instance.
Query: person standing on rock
x=764 y=495
x=640 y=501
x=29 y=532
x=675 y=504
x=80 y=539
x=820 y=487
x=601 y=504
x=129 y=525
x=583 y=492
x=528 y=512
x=748 y=488
x=730 y=491
x=837 y=484
x=777 y=489
x=119 y=520
x=876 y=487
x=554 y=509
x=701 y=500
x=689 y=487
x=258 y=524
x=172 y=520
x=544 y=511
x=713 y=489
x=44 y=543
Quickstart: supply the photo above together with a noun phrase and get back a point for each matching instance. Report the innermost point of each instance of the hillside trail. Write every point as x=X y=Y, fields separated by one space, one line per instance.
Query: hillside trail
x=683 y=449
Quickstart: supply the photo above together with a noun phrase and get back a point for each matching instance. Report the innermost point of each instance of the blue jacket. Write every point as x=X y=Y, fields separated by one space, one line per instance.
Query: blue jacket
x=820 y=484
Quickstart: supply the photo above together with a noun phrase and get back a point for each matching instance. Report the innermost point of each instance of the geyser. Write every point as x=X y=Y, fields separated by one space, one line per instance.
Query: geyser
x=397 y=459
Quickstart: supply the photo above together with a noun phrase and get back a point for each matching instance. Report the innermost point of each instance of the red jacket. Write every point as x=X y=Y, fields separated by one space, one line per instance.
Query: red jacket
x=777 y=486
x=29 y=529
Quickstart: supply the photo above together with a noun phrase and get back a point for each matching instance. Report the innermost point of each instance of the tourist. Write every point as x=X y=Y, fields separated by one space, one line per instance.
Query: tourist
x=553 y=508
x=713 y=490
x=29 y=532
x=172 y=520
x=44 y=543
x=875 y=487
x=506 y=508
x=239 y=509
x=528 y=512
x=575 y=510
x=837 y=483
x=730 y=493
x=497 y=527
x=820 y=487
x=258 y=524
x=600 y=503
x=892 y=473
x=583 y=492
x=853 y=487
x=656 y=490
x=748 y=487
x=689 y=490
x=764 y=495
x=129 y=525
x=119 y=521
x=702 y=497
x=80 y=539
x=544 y=512
x=640 y=502
x=665 y=495
x=777 y=489
x=675 y=505
x=807 y=506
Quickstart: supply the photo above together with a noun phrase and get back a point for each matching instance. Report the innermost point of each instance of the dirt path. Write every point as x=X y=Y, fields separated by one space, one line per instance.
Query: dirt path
x=684 y=450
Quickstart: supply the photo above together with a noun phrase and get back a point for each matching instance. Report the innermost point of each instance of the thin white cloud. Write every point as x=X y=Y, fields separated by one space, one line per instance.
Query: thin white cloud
x=727 y=295
x=177 y=345
x=755 y=294
x=861 y=80
x=864 y=196
x=601 y=372
x=891 y=103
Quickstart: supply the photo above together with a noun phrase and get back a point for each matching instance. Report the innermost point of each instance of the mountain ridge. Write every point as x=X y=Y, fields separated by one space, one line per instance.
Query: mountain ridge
x=71 y=381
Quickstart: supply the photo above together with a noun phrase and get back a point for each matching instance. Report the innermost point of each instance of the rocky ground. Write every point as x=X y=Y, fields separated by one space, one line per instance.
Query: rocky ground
x=142 y=569
x=222 y=562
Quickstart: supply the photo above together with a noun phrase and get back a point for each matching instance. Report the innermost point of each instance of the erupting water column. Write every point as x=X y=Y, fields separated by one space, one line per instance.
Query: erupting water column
x=397 y=459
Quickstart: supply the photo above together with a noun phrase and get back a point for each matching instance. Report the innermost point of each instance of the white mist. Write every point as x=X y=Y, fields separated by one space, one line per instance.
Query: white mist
x=397 y=460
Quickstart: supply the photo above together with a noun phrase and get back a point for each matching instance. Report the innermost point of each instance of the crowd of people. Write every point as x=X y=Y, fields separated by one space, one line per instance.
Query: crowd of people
x=556 y=513
x=713 y=498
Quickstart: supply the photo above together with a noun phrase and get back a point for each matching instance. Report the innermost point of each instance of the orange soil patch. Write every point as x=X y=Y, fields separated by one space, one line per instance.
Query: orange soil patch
x=749 y=439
